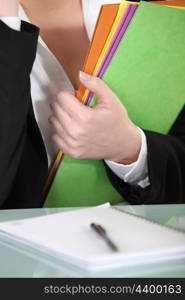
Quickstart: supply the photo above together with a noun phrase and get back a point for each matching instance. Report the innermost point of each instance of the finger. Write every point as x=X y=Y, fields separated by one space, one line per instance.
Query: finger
x=72 y=92
x=71 y=105
x=64 y=147
x=63 y=118
x=61 y=131
x=60 y=143
x=98 y=87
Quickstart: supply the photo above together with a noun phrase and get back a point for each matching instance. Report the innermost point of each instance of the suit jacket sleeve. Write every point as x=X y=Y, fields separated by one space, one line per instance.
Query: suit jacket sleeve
x=17 y=54
x=166 y=165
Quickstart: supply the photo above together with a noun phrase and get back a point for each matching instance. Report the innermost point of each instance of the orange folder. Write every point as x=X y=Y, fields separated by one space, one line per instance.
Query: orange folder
x=104 y=24
x=171 y=2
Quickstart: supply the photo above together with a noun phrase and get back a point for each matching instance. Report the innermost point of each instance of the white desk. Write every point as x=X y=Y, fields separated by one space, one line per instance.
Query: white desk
x=22 y=261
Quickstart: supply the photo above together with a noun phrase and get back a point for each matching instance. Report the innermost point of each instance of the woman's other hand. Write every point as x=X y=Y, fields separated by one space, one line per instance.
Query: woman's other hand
x=102 y=132
x=9 y=8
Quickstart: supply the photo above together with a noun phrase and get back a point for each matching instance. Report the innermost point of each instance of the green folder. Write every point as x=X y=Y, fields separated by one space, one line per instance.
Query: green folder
x=81 y=183
x=147 y=73
x=148 y=70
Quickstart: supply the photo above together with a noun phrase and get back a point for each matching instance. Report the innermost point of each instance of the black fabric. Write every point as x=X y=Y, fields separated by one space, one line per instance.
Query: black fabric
x=23 y=160
x=166 y=165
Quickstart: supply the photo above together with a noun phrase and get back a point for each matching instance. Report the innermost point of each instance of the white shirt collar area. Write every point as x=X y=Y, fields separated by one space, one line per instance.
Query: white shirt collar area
x=13 y=22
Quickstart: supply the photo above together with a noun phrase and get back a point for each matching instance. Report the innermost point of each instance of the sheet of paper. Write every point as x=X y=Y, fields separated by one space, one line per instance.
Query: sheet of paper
x=65 y=234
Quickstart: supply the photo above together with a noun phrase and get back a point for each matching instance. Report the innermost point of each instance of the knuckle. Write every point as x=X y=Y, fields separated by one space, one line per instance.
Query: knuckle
x=57 y=141
x=95 y=82
x=73 y=144
x=86 y=118
x=61 y=95
x=51 y=120
x=76 y=132
x=72 y=132
x=56 y=125
x=53 y=105
x=75 y=150
x=77 y=153
x=57 y=128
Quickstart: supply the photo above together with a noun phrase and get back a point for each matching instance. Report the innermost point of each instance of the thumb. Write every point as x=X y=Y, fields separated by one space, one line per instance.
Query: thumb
x=97 y=86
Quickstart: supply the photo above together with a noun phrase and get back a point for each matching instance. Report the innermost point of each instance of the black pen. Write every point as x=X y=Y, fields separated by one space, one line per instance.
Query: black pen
x=102 y=232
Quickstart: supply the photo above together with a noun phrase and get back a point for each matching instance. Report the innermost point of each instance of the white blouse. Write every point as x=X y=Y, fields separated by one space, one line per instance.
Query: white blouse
x=48 y=78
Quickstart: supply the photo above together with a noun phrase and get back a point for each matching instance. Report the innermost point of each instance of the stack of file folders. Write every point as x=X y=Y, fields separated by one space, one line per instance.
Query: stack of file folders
x=138 y=50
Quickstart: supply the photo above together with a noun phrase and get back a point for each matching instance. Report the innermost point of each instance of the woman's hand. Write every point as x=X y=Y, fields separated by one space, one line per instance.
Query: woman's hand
x=9 y=8
x=102 y=132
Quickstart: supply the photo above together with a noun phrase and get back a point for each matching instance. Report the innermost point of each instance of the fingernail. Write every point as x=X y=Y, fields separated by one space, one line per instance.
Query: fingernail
x=85 y=76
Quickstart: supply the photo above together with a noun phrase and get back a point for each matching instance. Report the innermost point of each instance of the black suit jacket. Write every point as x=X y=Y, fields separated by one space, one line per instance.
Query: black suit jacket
x=23 y=159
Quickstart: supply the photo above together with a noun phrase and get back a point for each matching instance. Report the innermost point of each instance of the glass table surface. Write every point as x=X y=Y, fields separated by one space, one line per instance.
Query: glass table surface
x=18 y=260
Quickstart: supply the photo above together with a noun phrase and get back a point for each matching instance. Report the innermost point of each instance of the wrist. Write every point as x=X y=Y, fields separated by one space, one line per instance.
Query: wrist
x=8 y=8
x=130 y=148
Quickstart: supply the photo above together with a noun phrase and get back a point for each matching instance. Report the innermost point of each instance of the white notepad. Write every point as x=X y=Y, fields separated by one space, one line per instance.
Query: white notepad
x=68 y=235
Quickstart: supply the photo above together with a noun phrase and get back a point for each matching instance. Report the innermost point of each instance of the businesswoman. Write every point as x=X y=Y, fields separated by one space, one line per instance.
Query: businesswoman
x=144 y=167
